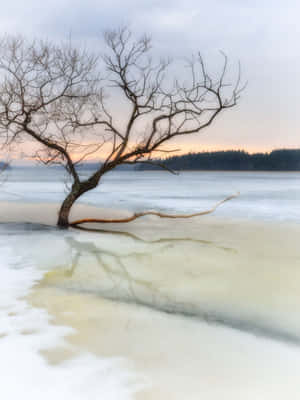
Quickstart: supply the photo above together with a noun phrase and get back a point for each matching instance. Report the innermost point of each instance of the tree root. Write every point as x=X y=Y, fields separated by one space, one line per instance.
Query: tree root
x=156 y=213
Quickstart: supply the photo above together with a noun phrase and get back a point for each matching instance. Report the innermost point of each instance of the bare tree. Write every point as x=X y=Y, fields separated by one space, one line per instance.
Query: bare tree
x=58 y=96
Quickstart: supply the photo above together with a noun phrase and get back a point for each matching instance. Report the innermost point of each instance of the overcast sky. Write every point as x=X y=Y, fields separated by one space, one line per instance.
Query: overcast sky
x=263 y=34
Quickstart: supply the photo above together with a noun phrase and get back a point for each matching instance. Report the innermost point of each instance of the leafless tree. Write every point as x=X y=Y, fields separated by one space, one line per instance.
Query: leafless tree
x=67 y=101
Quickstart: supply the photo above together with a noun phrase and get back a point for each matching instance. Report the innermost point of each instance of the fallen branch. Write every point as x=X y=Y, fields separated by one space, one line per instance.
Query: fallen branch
x=156 y=213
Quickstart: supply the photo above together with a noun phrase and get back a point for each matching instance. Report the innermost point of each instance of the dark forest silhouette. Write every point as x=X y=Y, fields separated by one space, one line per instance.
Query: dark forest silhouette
x=236 y=160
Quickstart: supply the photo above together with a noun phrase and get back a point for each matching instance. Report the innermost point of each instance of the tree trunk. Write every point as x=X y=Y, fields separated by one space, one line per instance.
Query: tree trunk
x=78 y=189
x=64 y=212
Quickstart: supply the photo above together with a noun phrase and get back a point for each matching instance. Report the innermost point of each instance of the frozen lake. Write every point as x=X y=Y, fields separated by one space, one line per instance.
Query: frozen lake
x=190 y=309
x=264 y=195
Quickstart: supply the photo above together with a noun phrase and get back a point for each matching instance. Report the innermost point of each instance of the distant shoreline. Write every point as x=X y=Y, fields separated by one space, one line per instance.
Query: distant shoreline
x=16 y=167
x=218 y=170
x=282 y=160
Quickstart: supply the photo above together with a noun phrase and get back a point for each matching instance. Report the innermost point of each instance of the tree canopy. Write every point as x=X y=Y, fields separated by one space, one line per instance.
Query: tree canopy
x=59 y=97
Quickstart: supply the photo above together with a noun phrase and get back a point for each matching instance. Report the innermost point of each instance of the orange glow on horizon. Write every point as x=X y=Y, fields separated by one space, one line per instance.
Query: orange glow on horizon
x=183 y=148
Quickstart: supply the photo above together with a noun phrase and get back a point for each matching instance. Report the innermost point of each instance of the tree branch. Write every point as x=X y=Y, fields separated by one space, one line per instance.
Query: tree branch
x=155 y=213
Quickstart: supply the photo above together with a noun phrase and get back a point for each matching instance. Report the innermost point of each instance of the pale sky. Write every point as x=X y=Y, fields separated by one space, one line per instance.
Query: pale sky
x=263 y=34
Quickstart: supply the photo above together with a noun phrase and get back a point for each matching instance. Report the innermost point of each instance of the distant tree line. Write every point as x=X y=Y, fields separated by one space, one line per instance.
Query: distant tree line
x=277 y=160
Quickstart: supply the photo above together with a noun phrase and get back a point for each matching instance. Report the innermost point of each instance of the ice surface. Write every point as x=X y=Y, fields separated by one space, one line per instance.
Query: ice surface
x=204 y=308
x=243 y=341
x=264 y=195
x=25 y=331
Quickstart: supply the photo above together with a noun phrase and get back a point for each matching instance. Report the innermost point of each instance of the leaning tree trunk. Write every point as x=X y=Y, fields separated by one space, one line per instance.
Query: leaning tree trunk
x=64 y=212
x=77 y=190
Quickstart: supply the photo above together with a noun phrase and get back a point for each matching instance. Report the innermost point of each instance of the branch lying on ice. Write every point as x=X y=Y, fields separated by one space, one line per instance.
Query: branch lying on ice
x=156 y=213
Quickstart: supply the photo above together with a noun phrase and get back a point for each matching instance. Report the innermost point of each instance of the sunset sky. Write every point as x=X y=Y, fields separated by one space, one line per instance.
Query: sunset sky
x=263 y=34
